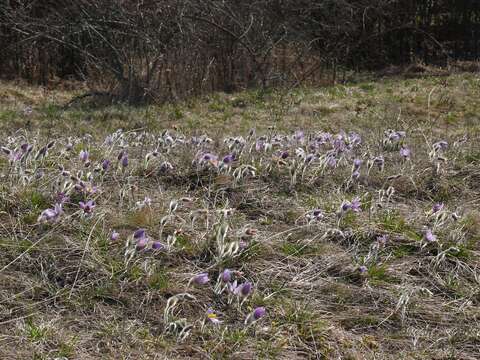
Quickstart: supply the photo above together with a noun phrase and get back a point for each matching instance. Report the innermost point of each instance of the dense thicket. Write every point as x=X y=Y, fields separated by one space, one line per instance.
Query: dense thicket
x=175 y=48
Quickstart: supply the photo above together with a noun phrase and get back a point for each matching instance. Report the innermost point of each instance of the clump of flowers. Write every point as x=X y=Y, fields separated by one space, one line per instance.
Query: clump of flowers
x=355 y=205
x=392 y=139
x=315 y=215
x=141 y=239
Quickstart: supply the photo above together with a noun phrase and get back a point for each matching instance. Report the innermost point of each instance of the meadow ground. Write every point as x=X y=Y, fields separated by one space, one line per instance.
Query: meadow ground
x=345 y=225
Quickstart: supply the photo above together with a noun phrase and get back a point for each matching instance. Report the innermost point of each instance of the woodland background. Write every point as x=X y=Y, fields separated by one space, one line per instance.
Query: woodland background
x=140 y=50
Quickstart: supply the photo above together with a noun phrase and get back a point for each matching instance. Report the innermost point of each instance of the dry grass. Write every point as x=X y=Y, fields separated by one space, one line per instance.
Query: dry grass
x=68 y=291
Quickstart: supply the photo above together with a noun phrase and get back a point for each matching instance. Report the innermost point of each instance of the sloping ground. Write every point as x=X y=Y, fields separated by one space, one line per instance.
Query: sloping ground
x=326 y=256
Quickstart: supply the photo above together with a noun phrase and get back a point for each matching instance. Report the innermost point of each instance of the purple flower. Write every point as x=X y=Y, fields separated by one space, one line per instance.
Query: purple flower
x=242 y=244
x=212 y=317
x=201 y=279
x=405 y=152
x=62 y=198
x=339 y=144
x=355 y=205
x=108 y=140
x=141 y=243
x=284 y=155
x=165 y=167
x=106 y=164
x=228 y=159
x=379 y=161
x=84 y=155
x=226 y=276
x=58 y=209
x=309 y=158
x=208 y=158
x=13 y=156
x=299 y=136
x=437 y=207
x=87 y=207
x=260 y=145
x=332 y=162
x=259 y=312
x=114 y=236
x=354 y=139
x=440 y=145
x=346 y=206
x=356 y=164
x=125 y=161
x=355 y=175
x=429 y=236
x=157 y=245
x=362 y=269
x=120 y=155
x=394 y=136
x=49 y=215
x=323 y=138
x=244 y=289
x=317 y=214
x=139 y=234
x=382 y=239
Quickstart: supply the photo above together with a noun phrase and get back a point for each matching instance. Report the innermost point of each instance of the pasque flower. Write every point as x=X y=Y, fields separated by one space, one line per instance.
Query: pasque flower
x=440 y=145
x=114 y=236
x=125 y=161
x=437 y=207
x=141 y=243
x=84 y=155
x=226 y=276
x=405 y=152
x=430 y=236
x=242 y=290
x=259 y=312
x=284 y=154
x=212 y=317
x=246 y=289
x=382 y=240
x=201 y=279
x=356 y=164
x=315 y=215
x=228 y=159
x=49 y=215
x=362 y=269
x=141 y=238
x=255 y=315
x=87 y=207
x=354 y=205
x=139 y=234
x=157 y=245
x=106 y=164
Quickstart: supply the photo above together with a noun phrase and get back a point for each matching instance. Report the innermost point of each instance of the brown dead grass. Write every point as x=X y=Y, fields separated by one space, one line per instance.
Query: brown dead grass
x=65 y=290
